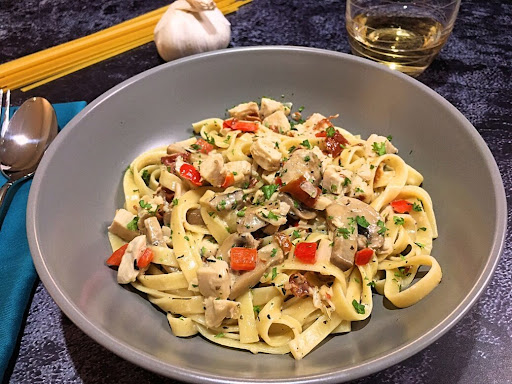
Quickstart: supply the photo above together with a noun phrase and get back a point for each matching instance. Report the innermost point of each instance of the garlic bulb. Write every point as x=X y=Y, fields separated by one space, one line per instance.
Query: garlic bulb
x=191 y=26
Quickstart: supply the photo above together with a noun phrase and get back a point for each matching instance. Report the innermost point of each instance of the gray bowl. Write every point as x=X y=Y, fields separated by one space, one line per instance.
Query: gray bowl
x=78 y=187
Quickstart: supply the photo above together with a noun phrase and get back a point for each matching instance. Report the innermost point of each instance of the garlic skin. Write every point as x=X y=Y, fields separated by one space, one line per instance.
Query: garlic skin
x=189 y=27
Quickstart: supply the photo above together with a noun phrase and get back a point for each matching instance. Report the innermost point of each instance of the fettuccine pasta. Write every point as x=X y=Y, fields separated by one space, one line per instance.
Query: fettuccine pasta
x=268 y=233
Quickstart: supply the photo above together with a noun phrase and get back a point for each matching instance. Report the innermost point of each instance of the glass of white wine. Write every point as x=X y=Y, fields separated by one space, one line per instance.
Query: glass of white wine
x=404 y=35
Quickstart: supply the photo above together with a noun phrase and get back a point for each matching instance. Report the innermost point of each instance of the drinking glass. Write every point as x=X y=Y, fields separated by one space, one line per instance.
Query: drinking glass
x=404 y=35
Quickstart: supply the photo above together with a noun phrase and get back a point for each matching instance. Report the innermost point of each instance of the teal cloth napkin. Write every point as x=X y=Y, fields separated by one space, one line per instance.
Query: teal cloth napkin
x=16 y=267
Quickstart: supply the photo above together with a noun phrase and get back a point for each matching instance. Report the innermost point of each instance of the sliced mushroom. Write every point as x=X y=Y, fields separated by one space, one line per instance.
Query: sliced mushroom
x=244 y=240
x=250 y=222
x=154 y=231
x=227 y=200
x=360 y=208
x=194 y=217
x=249 y=279
x=344 y=236
x=296 y=208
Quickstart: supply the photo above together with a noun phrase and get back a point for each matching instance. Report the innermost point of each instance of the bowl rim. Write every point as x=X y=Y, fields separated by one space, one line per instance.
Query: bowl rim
x=355 y=371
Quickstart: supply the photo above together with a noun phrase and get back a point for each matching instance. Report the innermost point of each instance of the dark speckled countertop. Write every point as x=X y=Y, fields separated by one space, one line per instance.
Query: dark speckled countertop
x=473 y=72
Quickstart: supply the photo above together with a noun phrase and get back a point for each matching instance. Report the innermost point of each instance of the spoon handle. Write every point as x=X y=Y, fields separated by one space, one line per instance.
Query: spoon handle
x=3 y=200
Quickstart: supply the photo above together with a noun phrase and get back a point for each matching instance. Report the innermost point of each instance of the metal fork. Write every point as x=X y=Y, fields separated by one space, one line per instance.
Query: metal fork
x=6 y=114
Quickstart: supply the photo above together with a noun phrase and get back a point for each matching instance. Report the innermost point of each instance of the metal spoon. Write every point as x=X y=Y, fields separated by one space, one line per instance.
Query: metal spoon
x=23 y=142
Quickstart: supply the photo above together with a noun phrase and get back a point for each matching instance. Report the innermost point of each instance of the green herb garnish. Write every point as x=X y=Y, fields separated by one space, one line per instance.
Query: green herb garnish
x=358 y=307
x=330 y=131
x=361 y=220
x=379 y=148
x=417 y=207
x=132 y=225
x=145 y=176
x=268 y=190
x=398 y=220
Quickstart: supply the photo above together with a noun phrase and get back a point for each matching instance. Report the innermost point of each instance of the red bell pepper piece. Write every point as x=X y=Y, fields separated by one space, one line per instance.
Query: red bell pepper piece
x=401 y=206
x=115 y=259
x=243 y=259
x=363 y=256
x=237 y=125
x=229 y=180
x=306 y=252
x=321 y=134
x=204 y=146
x=189 y=172
x=294 y=189
x=145 y=259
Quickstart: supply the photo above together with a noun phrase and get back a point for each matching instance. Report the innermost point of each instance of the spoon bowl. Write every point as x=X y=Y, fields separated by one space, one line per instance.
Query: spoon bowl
x=23 y=142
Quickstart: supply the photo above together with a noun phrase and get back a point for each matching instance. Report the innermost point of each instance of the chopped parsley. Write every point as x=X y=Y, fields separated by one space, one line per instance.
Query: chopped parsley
x=274 y=252
x=295 y=234
x=371 y=284
x=361 y=220
x=343 y=232
x=379 y=148
x=175 y=202
x=420 y=245
x=132 y=225
x=398 y=220
x=417 y=207
x=358 y=307
x=145 y=176
x=145 y=205
x=227 y=139
x=292 y=148
x=359 y=190
x=203 y=251
x=195 y=147
x=382 y=227
x=274 y=273
x=268 y=190
x=330 y=131
x=186 y=238
x=422 y=229
x=301 y=109
x=221 y=205
x=347 y=181
x=307 y=158
x=306 y=144
x=334 y=188
x=208 y=139
x=219 y=335
x=256 y=308
x=241 y=213
x=389 y=137
x=272 y=216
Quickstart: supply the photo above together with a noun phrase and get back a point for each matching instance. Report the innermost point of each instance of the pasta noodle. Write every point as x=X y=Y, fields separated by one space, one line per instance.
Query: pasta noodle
x=268 y=233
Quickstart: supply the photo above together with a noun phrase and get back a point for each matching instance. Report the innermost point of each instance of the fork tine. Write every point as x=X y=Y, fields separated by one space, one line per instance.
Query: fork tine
x=6 y=112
